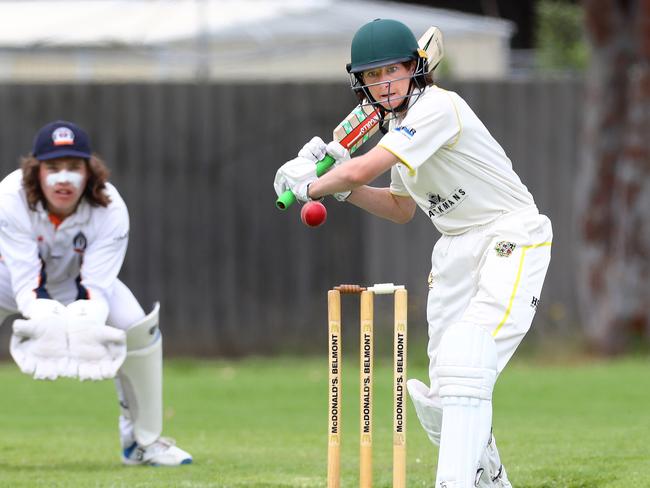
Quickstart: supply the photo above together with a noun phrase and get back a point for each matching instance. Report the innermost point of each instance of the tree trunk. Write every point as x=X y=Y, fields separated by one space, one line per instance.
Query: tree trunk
x=613 y=189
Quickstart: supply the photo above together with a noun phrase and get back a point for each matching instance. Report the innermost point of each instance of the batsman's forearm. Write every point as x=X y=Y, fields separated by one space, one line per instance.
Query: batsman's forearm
x=333 y=182
x=382 y=203
x=357 y=172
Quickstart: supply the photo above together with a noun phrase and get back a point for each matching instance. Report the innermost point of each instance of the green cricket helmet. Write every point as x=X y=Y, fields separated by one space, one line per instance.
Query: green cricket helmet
x=380 y=43
x=383 y=42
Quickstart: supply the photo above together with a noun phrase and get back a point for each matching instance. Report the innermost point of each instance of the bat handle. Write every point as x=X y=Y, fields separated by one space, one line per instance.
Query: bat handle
x=324 y=165
x=287 y=199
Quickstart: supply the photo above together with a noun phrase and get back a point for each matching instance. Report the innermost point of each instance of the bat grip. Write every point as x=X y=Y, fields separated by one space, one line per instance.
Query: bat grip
x=287 y=199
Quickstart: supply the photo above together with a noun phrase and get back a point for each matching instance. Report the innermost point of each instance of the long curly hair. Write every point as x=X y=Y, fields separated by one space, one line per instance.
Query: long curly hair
x=94 y=193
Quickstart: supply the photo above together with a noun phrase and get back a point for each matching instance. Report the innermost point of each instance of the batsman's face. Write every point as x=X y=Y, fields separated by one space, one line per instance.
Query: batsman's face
x=389 y=85
x=62 y=182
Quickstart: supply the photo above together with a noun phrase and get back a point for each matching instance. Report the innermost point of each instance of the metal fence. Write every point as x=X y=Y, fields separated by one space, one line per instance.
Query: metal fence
x=235 y=276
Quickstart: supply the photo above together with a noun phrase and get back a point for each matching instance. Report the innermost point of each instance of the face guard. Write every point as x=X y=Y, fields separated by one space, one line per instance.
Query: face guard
x=416 y=87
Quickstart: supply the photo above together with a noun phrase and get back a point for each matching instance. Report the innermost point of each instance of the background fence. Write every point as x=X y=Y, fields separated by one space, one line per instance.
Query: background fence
x=195 y=164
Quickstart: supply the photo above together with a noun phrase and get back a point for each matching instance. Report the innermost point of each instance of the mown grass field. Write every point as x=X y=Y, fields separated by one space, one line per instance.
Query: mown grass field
x=262 y=423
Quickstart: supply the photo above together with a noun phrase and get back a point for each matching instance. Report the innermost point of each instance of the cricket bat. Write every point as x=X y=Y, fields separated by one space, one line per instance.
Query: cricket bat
x=363 y=122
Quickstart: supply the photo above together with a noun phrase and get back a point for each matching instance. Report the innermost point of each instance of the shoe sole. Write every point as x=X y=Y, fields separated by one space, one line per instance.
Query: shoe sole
x=131 y=462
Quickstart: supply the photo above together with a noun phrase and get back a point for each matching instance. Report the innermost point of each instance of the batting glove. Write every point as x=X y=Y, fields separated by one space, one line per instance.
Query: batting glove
x=338 y=152
x=295 y=175
x=314 y=150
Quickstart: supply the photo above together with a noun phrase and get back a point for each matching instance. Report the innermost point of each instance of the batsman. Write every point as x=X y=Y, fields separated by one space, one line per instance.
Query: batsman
x=488 y=266
x=63 y=237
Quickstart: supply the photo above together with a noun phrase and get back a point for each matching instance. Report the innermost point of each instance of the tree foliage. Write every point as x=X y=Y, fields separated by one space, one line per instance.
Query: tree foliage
x=560 y=38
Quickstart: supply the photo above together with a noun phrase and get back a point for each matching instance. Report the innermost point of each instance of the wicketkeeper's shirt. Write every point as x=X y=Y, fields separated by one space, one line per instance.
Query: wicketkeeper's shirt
x=450 y=164
x=78 y=259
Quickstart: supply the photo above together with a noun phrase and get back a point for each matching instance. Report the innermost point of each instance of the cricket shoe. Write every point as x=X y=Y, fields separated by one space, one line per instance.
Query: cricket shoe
x=491 y=473
x=501 y=479
x=484 y=480
x=162 y=452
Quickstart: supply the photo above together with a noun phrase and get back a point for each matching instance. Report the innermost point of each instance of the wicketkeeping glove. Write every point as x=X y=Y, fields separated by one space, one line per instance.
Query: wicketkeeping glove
x=96 y=351
x=40 y=346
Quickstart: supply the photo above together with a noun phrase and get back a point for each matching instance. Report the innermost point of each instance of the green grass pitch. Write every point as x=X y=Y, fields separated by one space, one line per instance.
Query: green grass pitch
x=262 y=423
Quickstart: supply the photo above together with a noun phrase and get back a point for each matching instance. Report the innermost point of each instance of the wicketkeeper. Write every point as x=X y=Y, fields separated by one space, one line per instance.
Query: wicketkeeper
x=487 y=268
x=63 y=236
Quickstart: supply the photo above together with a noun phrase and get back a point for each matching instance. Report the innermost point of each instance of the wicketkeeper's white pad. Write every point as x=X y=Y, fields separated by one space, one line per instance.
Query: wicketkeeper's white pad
x=466 y=370
x=140 y=379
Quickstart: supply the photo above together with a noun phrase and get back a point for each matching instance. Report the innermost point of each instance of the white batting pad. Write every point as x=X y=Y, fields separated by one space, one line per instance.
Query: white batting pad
x=466 y=369
x=140 y=379
x=427 y=408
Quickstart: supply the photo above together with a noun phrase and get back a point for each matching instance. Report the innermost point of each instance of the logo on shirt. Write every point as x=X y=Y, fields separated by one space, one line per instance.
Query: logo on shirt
x=408 y=132
x=504 y=248
x=439 y=206
x=63 y=137
x=79 y=243
x=434 y=198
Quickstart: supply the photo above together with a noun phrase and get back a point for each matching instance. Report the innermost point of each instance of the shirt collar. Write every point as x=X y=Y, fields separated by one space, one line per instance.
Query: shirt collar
x=80 y=216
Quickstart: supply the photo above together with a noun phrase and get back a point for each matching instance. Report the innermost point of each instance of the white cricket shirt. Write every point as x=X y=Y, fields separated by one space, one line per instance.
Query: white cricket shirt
x=450 y=164
x=79 y=259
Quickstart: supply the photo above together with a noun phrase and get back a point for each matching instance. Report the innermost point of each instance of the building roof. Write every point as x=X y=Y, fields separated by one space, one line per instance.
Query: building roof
x=219 y=31
x=151 y=22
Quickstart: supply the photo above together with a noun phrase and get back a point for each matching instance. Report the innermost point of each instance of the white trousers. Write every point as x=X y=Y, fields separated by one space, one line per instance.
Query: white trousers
x=124 y=309
x=490 y=277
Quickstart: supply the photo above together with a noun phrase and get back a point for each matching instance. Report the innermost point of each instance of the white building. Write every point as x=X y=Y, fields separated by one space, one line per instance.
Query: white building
x=112 y=40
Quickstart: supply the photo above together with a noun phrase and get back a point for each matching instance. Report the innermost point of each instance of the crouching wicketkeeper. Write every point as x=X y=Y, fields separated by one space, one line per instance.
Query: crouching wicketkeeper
x=63 y=236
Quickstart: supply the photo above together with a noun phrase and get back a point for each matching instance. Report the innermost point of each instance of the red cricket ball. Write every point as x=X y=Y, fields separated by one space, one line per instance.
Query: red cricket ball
x=313 y=214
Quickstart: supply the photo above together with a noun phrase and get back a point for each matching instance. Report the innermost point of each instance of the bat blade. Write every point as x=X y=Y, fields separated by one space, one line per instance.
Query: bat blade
x=357 y=127
x=432 y=45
